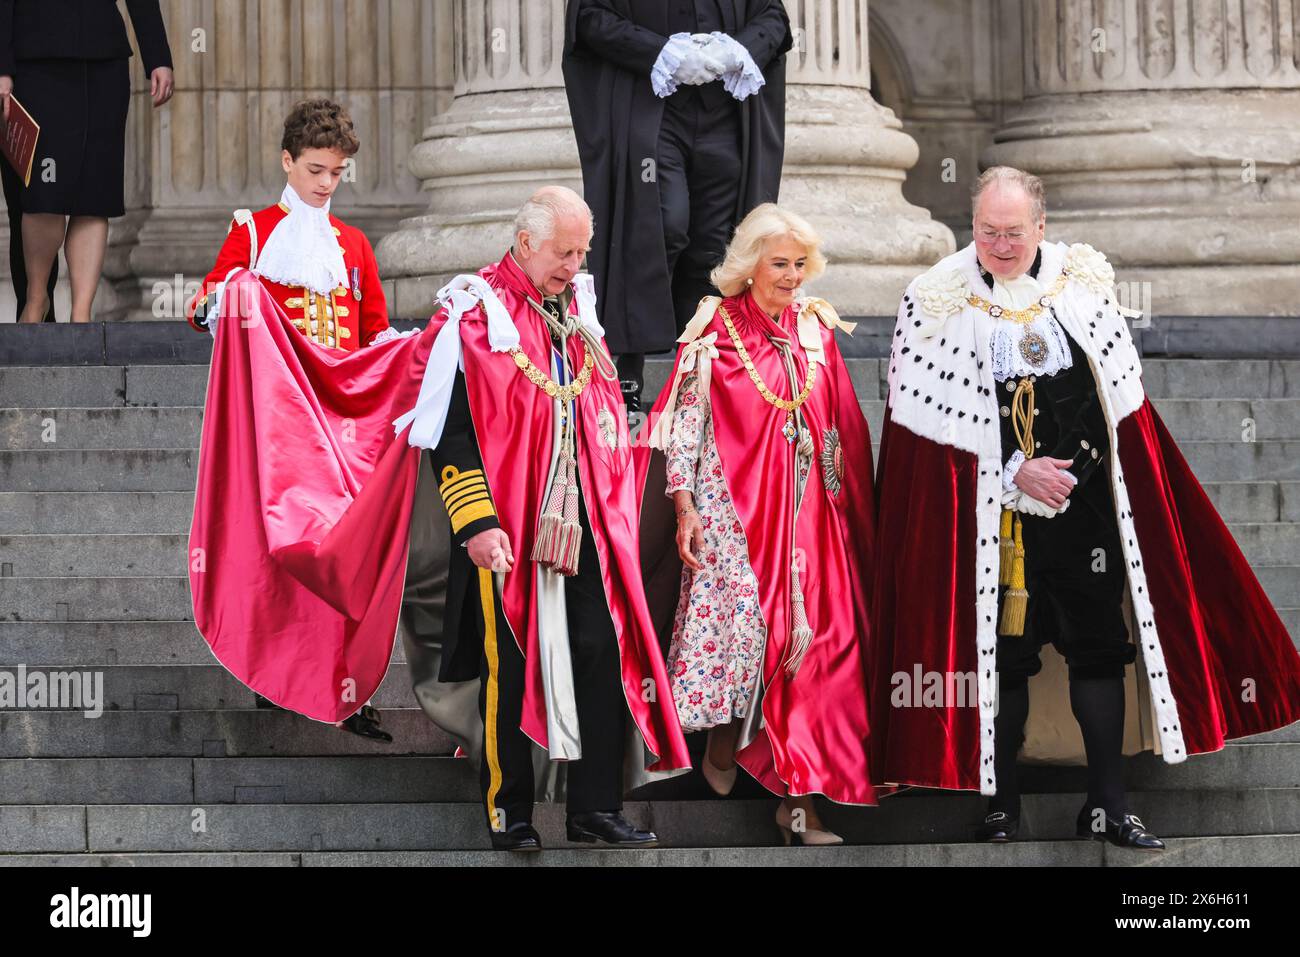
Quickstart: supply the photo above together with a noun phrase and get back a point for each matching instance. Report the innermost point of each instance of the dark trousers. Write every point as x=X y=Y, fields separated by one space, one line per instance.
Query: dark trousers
x=13 y=190
x=699 y=173
x=1075 y=576
x=595 y=782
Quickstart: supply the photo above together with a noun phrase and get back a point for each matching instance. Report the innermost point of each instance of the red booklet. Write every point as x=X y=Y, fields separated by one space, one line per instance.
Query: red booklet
x=19 y=142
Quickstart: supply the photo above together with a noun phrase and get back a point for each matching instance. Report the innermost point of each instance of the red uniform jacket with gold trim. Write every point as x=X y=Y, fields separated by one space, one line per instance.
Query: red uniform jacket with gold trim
x=346 y=319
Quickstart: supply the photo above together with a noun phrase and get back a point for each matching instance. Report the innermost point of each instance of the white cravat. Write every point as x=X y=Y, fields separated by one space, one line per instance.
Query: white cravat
x=302 y=250
x=1021 y=293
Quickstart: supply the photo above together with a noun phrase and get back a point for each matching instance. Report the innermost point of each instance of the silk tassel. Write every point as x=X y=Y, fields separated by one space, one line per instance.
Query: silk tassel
x=801 y=634
x=1016 y=601
x=1006 y=548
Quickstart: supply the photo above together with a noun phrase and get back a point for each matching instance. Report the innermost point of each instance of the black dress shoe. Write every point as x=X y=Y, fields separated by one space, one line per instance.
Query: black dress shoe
x=261 y=702
x=999 y=827
x=520 y=836
x=366 y=724
x=610 y=827
x=1127 y=831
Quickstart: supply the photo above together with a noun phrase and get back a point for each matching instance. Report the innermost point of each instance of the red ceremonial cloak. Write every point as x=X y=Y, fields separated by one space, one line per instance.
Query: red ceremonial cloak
x=299 y=540
x=298 y=543
x=815 y=730
x=513 y=423
x=1214 y=657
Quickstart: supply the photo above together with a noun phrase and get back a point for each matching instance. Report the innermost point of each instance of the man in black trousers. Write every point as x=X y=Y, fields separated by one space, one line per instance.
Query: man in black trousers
x=679 y=111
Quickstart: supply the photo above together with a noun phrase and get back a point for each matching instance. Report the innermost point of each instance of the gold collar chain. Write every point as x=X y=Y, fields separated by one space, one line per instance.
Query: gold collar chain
x=1028 y=314
x=565 y=393
x=789 y=406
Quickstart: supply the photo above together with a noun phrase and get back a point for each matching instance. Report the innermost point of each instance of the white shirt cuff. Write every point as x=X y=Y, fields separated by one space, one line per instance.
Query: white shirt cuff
x=1011 y=468
x=665 y=69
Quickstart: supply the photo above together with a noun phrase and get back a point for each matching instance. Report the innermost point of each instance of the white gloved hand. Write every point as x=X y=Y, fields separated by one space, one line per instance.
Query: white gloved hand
x=723 y=49
x=1032 y=506
x=699 y=65
x=1018 y=501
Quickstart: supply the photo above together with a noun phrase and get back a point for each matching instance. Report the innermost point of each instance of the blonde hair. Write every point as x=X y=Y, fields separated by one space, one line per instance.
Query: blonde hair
x=764 y=224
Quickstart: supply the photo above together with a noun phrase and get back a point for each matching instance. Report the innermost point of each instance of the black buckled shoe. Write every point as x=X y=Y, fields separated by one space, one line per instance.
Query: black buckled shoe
x=1127 y=831
x=520 y=836
x=609 y=827
x=999 y=827
x=365 y=723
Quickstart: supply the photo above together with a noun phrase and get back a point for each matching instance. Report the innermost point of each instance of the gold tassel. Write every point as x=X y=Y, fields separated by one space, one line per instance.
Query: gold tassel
x=801 y=635
x=1006 y=548
x=1016 y=601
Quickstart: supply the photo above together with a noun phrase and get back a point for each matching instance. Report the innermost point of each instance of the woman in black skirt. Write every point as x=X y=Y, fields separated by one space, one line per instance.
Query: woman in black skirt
x=67 y=62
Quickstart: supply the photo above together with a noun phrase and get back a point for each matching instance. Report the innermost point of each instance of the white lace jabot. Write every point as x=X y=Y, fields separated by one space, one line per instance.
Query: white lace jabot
x=1004 y=346
x=302 y=250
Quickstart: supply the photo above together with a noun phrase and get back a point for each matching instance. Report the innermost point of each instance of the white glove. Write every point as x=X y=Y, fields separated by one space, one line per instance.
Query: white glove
x=700 y=64
x=722 y=48
x=1019 y=501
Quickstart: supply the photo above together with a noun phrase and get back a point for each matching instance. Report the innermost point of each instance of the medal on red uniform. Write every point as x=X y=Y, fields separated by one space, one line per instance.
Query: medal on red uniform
x=356 y=283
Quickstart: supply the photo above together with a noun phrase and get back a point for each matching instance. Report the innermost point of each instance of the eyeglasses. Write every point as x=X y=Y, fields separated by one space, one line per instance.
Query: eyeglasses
x=1015 y=237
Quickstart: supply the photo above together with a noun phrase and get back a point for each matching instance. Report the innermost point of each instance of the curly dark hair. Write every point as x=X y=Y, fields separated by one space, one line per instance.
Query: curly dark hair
x=319 y=124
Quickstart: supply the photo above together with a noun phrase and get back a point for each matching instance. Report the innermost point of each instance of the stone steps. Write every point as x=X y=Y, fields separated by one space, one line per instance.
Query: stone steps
x=168 y=599
x=253 y=732
x=175 y=470
x=40 y=387
x=1243 y=767
x=134 y=513
x=1251 y=851
x=450 y=826
x=179 y=427
x=141 y=555
x=201 y=687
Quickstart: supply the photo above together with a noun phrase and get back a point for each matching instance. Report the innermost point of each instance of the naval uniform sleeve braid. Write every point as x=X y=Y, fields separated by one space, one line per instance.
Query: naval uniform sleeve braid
x=459 y=469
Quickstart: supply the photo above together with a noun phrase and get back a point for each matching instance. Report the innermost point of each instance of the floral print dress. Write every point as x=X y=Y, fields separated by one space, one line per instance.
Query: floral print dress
x=719 y=634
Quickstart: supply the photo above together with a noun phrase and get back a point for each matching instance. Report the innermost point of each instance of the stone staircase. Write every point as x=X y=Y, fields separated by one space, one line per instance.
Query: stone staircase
x=97 y=467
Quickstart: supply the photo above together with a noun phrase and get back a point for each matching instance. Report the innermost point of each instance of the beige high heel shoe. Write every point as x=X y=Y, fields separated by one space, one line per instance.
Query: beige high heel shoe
x=719 y=780
x=808 y=837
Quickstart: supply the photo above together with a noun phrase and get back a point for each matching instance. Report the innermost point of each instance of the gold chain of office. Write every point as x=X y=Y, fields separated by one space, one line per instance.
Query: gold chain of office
x=786 y=405
x=565 y=393
x=1029 y=313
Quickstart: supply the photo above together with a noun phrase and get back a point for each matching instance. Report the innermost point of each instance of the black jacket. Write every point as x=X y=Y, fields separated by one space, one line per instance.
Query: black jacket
x=609 y=49
x=79 y=30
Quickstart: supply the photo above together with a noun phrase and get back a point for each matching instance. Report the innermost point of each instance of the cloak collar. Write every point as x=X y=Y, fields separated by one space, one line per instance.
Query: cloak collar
x=749 y=317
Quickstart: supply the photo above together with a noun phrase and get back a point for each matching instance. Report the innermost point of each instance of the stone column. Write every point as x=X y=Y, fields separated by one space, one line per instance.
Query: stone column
x=1168 y=134
x=240 y=66
x=508 y=131
x=846 y=157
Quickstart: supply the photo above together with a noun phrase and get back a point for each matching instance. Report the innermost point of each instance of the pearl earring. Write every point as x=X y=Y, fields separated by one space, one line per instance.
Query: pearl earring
x=749 y=281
